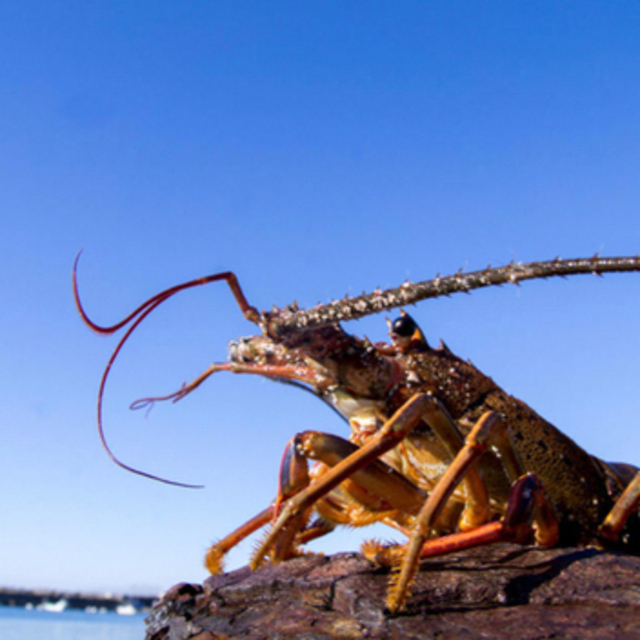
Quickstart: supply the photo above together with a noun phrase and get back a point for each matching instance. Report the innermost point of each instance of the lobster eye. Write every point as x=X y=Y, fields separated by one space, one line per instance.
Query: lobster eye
x=406 y=335
x=404 y=326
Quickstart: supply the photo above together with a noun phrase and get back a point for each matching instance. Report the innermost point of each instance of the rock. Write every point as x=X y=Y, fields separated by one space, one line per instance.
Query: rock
x=501 y=591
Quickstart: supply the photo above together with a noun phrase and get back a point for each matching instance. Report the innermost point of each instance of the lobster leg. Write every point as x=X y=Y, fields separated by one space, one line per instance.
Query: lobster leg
x=476 y=511
x=393 y=431
x=362 y=499
x=626 y=504
x=214 y=558
x=527 y=502
x=377 y=486
x=373 y=493
x=419 y=407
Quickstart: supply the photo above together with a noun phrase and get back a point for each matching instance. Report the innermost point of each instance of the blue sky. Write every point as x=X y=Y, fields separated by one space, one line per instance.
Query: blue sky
x=316 y=149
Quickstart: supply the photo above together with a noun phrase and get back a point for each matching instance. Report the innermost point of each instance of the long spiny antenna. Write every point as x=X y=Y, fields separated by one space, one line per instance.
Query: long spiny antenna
x=410 y=293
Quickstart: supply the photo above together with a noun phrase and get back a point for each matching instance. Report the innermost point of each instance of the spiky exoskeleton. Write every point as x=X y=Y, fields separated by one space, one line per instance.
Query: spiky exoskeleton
x=383 y=554
x=398 y=590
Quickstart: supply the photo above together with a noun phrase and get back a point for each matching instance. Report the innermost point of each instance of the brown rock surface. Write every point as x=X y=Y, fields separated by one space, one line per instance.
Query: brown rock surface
x=502 y=591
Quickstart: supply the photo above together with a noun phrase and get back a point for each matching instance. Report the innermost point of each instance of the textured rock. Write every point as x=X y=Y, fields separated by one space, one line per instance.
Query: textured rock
x=502 y=591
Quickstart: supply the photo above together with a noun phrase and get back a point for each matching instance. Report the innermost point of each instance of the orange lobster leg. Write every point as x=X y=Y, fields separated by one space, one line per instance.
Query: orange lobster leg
x=215 y=555
x=420 y=407
x=515 y=526
x=626 y=504
x=404 y=420
x=365 y=497
x=520 y=508
x=384 y=487
x=377 y=488
x=528 y=503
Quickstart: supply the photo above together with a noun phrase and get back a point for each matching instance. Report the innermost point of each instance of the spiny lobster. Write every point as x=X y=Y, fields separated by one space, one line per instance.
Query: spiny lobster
x=437 y=450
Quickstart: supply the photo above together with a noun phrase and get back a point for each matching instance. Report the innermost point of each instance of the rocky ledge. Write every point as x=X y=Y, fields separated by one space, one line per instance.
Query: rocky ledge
x=502 y=591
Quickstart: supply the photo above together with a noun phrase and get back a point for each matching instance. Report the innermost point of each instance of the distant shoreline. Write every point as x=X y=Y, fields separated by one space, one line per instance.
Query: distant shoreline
x=74 y=600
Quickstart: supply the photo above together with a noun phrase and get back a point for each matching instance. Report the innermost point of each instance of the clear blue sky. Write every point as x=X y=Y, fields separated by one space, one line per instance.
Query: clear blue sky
x=317 y=149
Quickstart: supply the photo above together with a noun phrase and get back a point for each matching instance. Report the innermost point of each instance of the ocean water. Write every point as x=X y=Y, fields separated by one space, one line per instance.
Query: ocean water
x=17 y=623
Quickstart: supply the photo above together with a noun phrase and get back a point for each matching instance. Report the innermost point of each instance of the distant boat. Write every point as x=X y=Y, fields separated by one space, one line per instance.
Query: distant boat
x=56 y=607
x=126 y=609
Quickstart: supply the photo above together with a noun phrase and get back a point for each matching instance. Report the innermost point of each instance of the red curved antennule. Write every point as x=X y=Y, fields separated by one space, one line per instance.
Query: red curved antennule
x=136 y=317
x=249 y=312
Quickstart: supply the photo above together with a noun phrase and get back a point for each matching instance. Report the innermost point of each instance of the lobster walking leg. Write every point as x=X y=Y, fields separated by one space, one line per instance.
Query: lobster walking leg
x=215 y=555
x=520 y=508
x=514 y=526
x=476 y=510
x=626 y=504
x=363 y=499
x=419 y=407
x=378 y=486
x=375 y=492
x=403 y=422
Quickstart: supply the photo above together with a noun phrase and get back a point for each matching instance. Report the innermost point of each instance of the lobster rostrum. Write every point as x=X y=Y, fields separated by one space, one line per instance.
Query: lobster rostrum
x=437 y=449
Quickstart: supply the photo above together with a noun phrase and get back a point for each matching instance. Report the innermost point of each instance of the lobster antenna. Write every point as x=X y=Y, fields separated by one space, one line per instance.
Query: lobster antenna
x=136 y=317
x=410 y=293
x=103 y=382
